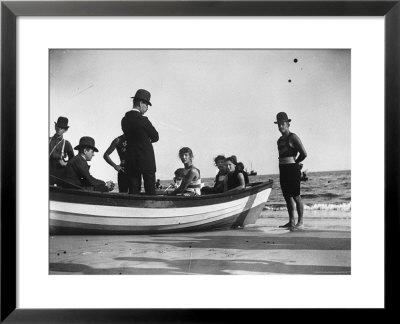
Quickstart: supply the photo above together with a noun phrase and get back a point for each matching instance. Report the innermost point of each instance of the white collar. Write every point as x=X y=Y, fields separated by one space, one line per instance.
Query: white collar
x=136 y=109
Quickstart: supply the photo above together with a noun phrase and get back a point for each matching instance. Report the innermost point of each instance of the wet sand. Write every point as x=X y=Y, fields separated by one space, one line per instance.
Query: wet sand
x=323 y=247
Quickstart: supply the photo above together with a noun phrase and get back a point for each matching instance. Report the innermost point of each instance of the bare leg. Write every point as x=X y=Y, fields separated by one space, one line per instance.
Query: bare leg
x=290 y=203
x=300 y=210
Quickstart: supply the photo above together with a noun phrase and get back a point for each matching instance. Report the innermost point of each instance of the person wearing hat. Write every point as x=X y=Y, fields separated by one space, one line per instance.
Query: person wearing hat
x=140 y=135
x=77 y=173
x=291 y=153
x=59 y=150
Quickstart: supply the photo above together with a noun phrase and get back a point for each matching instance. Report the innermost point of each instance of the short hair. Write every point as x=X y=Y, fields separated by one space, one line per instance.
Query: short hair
x=136 y=102
x=180 y=172
x=232 y=159
x=218 y=158
x=240 y=166
x=184 y=150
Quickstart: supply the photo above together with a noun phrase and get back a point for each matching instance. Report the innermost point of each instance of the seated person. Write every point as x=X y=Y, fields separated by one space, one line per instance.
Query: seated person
x=219 y=178
x=191 y=182
x=240 y=167
x=158 y=184
x=235 y=178
x=77 y=169
x=178 y=176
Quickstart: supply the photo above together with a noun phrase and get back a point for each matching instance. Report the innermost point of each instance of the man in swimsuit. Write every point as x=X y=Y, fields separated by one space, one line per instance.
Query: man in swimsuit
x=291 y=153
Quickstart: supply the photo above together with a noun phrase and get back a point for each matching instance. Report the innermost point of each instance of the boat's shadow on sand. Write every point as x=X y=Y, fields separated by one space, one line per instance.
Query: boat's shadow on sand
x=214 y=253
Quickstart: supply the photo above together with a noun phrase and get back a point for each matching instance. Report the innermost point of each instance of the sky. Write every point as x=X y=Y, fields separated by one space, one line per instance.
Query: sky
x=215 y=101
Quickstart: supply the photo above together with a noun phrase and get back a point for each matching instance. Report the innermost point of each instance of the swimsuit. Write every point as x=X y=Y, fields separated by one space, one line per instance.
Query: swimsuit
x=289 y=171
x=194 y=188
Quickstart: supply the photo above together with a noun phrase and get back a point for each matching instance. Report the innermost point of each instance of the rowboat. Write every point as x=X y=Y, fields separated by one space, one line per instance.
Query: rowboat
x=87 y=212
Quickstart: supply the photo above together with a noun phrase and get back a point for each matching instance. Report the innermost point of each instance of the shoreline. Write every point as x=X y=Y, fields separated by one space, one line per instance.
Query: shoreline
x=323 y=247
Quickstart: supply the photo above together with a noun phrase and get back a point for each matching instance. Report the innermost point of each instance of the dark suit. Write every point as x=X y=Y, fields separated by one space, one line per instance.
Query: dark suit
x=140 y=160
x=77 y=175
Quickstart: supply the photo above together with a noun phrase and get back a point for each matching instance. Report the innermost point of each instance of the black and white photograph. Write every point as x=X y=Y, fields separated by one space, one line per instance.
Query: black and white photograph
x=199 y=161
x=205 y=158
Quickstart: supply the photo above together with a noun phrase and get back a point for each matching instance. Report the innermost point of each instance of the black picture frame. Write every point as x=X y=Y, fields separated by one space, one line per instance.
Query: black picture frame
x=10 y=10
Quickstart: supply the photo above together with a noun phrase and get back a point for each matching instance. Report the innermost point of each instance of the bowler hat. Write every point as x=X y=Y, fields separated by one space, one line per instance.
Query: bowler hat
x=86 y=141
x=144 y=95
x=62 y=122
x=282 y=117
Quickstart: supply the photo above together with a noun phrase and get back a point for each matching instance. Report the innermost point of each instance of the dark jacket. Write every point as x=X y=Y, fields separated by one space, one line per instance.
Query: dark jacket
x=77 y=173
x=140 y=134
x=219 y=184
x=59 y=149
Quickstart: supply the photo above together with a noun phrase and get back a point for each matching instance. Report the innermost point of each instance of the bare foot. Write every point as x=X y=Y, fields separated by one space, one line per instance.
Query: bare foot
x=287 y=225
x=297 y=227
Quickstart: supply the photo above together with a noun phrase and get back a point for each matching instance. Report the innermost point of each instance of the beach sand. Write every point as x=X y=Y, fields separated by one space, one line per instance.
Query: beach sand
x=323 y=247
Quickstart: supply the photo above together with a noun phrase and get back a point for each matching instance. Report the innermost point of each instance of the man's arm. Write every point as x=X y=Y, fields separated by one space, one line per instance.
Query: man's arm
x=123 y=124
x=83 y=171
x=151 y=131
x=69 y=150
x=298 y=145
x=107 y=153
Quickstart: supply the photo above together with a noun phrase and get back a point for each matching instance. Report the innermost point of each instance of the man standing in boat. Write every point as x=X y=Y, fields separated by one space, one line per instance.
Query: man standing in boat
x=77 y=173
x=59 y=150
x=291 y=153
x=120 y=144
x=140 y=134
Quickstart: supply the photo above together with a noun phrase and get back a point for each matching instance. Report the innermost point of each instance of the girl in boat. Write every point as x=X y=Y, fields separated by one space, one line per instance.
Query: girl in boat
x=235 y=178
x=191 y=182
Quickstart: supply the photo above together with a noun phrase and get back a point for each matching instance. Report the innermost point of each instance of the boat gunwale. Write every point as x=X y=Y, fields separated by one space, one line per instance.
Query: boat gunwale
x=250 y=189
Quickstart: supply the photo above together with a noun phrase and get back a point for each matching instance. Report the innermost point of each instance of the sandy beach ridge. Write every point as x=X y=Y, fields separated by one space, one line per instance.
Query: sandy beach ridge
x=322 y=248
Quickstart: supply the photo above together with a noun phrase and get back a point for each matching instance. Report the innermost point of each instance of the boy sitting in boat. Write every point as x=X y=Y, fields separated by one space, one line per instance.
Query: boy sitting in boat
x=178 y=176
x=191 y=182
x=77 y=174
x=219 y=162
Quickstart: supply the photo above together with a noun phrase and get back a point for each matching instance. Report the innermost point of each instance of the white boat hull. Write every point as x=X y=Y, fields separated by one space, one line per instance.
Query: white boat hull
x=154 y=215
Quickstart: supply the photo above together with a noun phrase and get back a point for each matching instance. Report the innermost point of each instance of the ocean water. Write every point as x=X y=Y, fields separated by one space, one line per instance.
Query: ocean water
x=328 y=190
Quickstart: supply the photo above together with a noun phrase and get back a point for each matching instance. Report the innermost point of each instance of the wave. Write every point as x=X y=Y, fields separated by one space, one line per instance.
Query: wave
x=342 y=207
x=322 y=195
